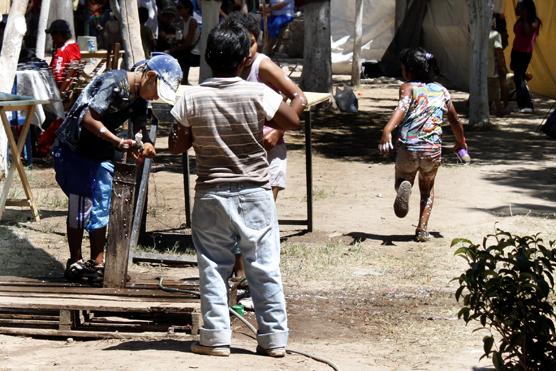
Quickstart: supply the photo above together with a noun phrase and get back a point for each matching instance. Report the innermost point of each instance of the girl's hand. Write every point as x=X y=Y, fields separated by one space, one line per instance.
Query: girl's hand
x=385 y=144
x=272 y=138
x=460 y=145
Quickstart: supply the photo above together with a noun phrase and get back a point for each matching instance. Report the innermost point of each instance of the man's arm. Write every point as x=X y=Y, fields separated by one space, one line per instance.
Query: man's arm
x=180 y=139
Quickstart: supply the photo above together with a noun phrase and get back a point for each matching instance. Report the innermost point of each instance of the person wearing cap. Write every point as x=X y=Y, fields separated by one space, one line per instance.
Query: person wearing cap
x=66 y=49
x=87 y=143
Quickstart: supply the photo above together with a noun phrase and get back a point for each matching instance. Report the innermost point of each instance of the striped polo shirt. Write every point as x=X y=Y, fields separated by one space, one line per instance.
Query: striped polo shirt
x=226 y=116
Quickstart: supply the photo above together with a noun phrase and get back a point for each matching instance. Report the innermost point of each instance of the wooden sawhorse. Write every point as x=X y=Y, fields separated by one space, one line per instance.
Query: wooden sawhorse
x=11 y=103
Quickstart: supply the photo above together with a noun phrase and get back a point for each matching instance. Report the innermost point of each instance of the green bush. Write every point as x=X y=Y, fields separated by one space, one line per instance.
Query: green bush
x=509 y=289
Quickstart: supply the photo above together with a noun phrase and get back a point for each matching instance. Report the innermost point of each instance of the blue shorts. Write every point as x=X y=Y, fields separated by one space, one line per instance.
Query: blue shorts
x=88 y=185
x=275 y=24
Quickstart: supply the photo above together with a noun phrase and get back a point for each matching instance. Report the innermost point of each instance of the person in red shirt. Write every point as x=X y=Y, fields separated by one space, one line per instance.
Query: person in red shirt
x=66 y=49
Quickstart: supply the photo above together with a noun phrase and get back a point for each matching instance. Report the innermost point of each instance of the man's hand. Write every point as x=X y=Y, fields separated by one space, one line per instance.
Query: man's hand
x=272 y=138
x=148 y=150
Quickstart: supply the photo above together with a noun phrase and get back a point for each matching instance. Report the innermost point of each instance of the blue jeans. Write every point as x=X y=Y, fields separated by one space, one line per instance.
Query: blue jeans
x=241 y=214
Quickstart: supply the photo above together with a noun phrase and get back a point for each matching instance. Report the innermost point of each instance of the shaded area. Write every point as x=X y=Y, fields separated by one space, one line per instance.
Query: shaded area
x=521 y=209
x=21 y=259
x=164 y=345
x=539 y=183
x=386 y=240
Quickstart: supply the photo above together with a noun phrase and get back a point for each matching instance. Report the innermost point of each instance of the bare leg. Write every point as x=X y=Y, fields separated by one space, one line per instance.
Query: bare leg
x=98 y=239
x=239 y=268
x=75 y=236
x=426 y=188
x=275 y=191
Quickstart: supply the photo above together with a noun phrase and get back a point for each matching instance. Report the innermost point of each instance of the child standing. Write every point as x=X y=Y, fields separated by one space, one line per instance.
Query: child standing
x=419 y=114
x=223 y=119
x=260 y=68
x=86 y=145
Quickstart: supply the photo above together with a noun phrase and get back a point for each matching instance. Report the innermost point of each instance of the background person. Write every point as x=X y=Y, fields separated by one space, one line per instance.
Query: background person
x=66 y=49
x=526 y=30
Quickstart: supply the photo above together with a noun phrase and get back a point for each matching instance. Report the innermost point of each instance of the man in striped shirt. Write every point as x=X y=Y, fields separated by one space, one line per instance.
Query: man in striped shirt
x=223 y=119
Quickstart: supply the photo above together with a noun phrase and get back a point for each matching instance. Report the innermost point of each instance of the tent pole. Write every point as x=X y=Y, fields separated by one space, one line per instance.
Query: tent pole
x=357 y=41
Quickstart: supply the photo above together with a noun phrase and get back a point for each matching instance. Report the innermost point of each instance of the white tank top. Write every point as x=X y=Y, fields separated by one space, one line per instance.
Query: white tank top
x=254 y=72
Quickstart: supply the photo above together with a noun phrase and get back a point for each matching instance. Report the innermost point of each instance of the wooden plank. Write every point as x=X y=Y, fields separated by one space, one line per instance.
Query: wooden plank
x=121 y=293
x=65 y=322
x=119 y=228
x=165 y=259
x=18 y=203
x=29 y=322
x=95 y=334
x=97 y=305
x=120 y=299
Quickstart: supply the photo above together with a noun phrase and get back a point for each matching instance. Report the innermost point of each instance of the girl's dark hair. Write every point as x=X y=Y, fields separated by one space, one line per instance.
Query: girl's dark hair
x=246 y=20
x=187 y=4
x=530 y=11
x=227 y=46
x=420 y=64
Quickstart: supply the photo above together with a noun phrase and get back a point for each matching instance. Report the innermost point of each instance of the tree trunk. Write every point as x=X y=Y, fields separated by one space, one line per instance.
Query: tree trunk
x=357 y=41
x=401 y=11
x=480 y=13
x=43 y=25
x=317 y=62
x=127 y=12
x=11 y=47
x=211 y=15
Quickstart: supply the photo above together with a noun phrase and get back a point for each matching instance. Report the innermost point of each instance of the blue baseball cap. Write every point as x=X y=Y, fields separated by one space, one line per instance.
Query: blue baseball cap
x=169 y=75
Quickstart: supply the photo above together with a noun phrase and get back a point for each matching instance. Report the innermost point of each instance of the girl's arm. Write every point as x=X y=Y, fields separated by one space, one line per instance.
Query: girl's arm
x=272 y=75
x=396 y=119
x=457 y=127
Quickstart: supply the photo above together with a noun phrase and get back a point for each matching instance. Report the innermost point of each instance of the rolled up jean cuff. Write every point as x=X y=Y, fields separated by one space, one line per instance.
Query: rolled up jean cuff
x=273 y=340
x=215 y=338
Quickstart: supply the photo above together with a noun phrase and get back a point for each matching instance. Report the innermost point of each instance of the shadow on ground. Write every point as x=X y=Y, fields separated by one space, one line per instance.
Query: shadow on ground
x=386 y=240
x=163 y=345
x=21 y=259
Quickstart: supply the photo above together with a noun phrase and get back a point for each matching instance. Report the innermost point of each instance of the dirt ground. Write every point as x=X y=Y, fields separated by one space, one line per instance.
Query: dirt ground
x=360 y=292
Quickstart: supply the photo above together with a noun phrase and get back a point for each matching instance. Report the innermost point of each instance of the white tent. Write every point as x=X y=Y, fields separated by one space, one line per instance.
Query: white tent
x=445 y=33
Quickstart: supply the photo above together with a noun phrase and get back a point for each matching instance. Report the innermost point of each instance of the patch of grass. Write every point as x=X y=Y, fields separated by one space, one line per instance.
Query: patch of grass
x=333 y=261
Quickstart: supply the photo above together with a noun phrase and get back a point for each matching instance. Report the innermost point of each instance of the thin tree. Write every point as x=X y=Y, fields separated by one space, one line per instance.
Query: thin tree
x=11 y=47
x=317 y=62
x=127 y=12
x=211 y=12
x=480 y=15
x=357 y=41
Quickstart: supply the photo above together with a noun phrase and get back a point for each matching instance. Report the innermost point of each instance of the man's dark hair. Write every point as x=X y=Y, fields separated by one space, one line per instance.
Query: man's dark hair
x=420 y=63
x=246 y=20
x=143 y=14
x=227 y=46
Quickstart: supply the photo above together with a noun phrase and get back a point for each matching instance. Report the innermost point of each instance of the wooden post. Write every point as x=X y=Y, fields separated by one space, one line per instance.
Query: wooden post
x=127 y=12
x=266 y=39
x=119 y=226
x=11 y=46
x=211 y=13
x=317 y=61
x=43 y=25
x=357 y=41
x=480 y=15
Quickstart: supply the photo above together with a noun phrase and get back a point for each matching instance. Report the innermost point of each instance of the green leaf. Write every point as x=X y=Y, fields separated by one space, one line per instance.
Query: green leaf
x=497 y=361
x=458 y=292
x=488 y=341
x=456 y=241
